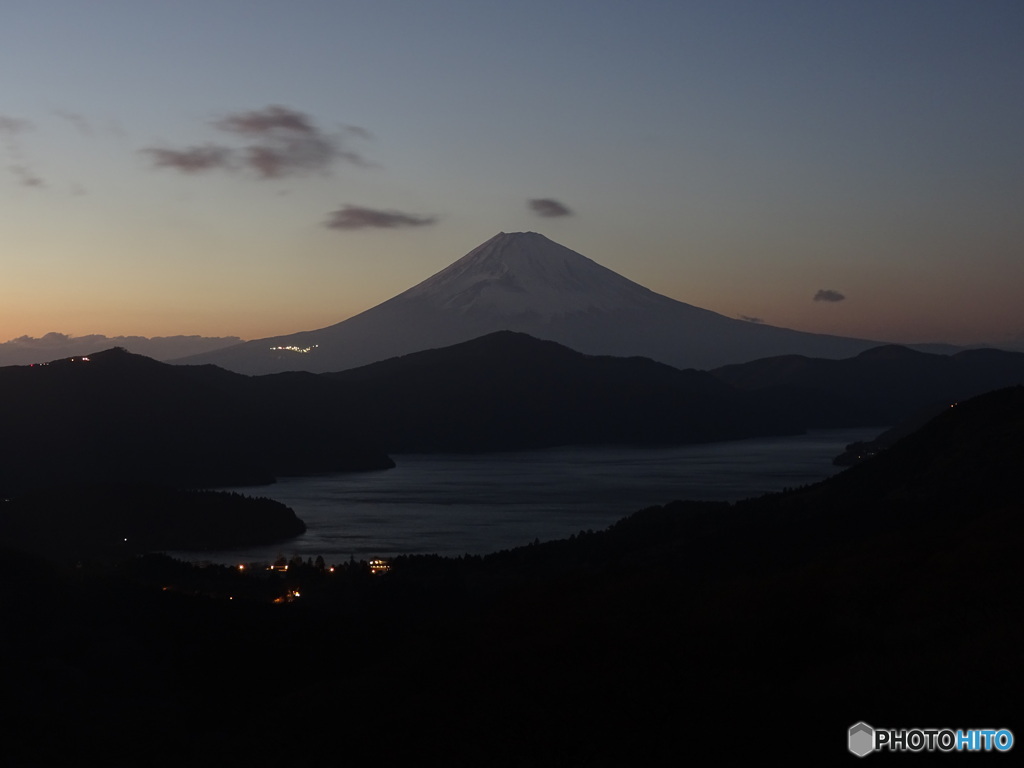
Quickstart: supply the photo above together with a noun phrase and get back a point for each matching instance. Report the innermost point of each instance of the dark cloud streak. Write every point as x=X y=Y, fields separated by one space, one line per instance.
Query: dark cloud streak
x=350 y=217
x=191 y=160
x=11 y=128
x=266 y=121
x=26 y=177
x=826 y=294
x=545 y=206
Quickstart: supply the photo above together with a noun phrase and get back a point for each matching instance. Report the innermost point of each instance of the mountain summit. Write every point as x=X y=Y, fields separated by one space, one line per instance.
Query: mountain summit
x=525 y=282
x=523 y=273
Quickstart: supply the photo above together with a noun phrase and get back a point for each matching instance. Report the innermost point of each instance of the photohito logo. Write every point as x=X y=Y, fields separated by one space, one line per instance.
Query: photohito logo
x=863 y=739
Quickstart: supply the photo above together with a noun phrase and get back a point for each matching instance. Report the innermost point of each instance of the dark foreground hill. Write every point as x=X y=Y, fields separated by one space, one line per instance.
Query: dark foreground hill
x=509 y=390
x=119 y=417
x=110 y=521
x=691 y=632
x=879 y=386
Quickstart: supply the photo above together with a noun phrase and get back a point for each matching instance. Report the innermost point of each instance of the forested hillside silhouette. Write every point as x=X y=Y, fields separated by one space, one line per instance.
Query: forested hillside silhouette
x=119 y=417
x=888 y=593
x=880 y=386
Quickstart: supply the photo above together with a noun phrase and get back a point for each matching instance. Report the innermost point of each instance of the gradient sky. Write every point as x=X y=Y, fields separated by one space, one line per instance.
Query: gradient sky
x=259 y=167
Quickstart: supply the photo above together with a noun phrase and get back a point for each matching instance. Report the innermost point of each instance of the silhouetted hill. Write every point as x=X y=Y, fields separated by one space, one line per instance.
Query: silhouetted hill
x=90 y=521
x=120 y=417
x=510 y=390
x=889 y=594
x=879 y=386
x=865 y=449
x=968 y=458
x=115 y=416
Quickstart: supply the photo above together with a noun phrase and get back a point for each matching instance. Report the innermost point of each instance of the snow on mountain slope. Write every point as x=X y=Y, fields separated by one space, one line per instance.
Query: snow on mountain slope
x=526 y=273
x=525 y=282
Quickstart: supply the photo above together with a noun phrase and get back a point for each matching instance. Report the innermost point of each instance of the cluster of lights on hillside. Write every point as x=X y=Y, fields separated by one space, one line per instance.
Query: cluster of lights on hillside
x=290 y=348
x=290 y=576
x=70 y=360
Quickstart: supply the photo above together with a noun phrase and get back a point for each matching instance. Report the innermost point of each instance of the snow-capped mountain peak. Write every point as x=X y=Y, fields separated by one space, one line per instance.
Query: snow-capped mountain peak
x=522 y=281
x=525 y=273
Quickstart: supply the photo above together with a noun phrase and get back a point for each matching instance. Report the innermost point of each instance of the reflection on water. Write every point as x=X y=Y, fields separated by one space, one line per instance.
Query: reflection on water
x=457 y=504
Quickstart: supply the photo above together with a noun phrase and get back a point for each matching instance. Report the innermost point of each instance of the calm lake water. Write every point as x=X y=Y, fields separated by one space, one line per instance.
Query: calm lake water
x=458 y=504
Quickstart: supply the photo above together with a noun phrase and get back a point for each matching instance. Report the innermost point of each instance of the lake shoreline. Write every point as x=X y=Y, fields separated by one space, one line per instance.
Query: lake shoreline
x=455 y=504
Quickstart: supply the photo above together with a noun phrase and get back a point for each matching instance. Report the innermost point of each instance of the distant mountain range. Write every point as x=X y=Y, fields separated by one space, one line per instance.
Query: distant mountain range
x=117 y=416
x=879 y=386
x=26 y=350
x=525 y=282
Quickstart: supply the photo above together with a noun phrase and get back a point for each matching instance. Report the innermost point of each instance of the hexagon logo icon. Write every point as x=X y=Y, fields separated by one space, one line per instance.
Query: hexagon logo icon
x=862 y=739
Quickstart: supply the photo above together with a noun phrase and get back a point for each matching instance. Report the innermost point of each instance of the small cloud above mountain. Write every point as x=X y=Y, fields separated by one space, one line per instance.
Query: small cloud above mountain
x=358 y=217
x=826 y=294
x=548 y=208
x=751 y=319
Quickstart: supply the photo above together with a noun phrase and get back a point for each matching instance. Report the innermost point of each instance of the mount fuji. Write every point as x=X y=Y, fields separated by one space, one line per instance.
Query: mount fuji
x=525 y=282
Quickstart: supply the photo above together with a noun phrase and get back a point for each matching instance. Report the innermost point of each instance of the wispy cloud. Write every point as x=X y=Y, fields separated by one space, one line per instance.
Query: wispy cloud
x=357 y=131
x=13 y=126
x=263 y=122
x=283 y=142
x=827 y=294
x=81 y=124
x=25 y=176
x=545 y=206
x=751 y=319
x=357 y=217
x=191 y=160
x=11 y=129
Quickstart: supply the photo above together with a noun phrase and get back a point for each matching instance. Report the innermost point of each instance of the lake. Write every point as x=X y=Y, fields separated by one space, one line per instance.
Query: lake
x=454 y=504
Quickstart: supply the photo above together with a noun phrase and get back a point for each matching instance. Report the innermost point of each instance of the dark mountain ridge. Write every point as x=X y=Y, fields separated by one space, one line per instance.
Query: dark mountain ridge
x=116 y=417
x=509 y=390
x=881 y=385
x=113 y=521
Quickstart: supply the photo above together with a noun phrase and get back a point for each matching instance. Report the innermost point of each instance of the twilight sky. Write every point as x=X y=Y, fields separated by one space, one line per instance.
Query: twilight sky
x=260 y=167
